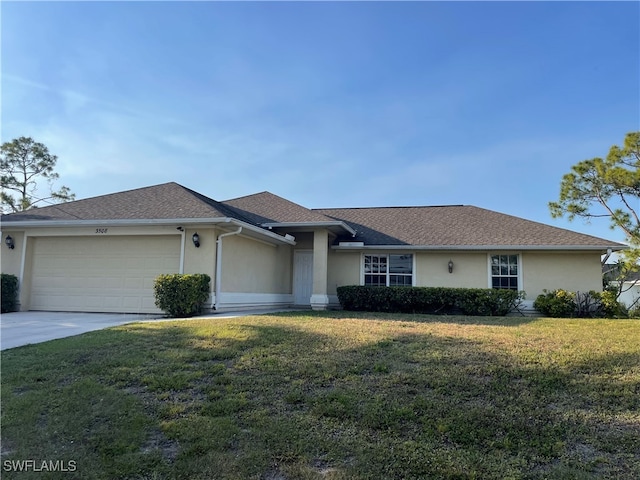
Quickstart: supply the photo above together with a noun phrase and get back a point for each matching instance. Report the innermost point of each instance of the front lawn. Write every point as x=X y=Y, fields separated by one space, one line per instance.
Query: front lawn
x=331 y=395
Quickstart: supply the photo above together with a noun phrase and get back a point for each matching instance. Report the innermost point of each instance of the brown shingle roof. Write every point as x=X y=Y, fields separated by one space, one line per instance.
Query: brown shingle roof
x=448 y=226
x=165 y=201
x=265 y=207
x=455 y=226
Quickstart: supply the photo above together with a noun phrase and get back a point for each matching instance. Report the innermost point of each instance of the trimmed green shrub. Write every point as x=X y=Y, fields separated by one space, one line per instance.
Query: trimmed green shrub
x=558 y=303
x=611 y=307
x=487 y=301
x=429 y=300
x=563 y=304
x=9 y=286
x=181 y=295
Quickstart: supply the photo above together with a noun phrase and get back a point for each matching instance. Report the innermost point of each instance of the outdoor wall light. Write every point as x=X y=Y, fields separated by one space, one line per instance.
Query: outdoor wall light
x=9 y=242
x=450 y=265
x=196 y=240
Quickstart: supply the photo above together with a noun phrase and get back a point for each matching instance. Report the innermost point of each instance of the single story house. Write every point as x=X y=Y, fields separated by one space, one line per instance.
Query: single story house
x=102 y=254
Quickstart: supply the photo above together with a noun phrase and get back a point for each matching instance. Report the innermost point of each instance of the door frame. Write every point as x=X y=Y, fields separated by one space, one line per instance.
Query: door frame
x=302 y=283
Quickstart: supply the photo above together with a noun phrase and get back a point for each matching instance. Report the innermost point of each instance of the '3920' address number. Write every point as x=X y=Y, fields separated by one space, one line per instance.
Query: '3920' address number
x=101 y=230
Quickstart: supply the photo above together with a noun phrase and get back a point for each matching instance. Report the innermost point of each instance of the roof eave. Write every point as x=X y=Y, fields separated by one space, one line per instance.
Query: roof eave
x=19 y=225
x=124 y=222
x=339 y=224
x=263 y=233
x=584 y=248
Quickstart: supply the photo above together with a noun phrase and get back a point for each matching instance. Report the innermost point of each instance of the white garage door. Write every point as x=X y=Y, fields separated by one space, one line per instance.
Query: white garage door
x=100 y=274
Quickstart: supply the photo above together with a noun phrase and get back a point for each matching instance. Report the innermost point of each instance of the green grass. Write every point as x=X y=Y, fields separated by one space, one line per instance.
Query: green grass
x=331 y=395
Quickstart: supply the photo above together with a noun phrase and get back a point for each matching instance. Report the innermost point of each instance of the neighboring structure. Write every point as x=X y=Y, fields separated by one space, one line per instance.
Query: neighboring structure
x=102 y=254
x=630 y=290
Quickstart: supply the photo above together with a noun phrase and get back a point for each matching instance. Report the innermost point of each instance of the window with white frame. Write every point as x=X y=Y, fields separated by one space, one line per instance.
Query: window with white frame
x=504 y=272
x=388 y=270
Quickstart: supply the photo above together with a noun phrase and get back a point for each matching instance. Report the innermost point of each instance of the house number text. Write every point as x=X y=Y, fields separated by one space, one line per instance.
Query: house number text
x=101 y=230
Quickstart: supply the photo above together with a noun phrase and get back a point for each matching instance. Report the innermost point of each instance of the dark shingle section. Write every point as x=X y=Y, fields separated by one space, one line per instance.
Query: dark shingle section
x=165 y=201
x=454 y=226
x=266 y=207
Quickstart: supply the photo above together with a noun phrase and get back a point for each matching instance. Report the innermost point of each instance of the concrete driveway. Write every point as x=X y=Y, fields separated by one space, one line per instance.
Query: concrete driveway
x=23 y=328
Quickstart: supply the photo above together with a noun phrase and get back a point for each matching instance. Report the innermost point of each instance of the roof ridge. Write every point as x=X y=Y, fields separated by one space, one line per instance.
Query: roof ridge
x=60 y=206
x=272 y=208
x=267 y=192
x=156 y=201
x=247 y=196
x=391 y=207
x=118 y=193
x=228 y=210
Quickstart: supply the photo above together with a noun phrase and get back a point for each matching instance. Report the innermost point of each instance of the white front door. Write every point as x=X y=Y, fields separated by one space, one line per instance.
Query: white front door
x=302 y=277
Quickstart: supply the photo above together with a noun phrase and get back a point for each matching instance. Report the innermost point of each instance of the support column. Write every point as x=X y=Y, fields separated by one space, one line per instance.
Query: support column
x=319 y=298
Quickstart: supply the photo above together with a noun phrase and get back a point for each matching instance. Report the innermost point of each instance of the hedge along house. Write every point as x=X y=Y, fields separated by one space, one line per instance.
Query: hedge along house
x=102 y=254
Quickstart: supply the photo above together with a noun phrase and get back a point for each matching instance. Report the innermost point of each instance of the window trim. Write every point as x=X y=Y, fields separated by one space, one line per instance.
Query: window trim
x=490 y=276
x=388 y=273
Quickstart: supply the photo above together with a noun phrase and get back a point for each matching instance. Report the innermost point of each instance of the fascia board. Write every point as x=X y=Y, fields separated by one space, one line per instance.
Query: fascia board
x=262 y=232
x=128 y=222
x=309 y=224
x=20 y=225
x=584 y=248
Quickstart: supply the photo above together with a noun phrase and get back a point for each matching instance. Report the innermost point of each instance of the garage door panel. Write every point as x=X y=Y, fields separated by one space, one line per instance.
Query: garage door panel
x=133 y=282
x=148 y=304
x=52 y=282
x=112 y=302
x=93 y=301
x=155 y=263
x=75 y=301
x=54 y=302
x=112 y=282
x=75 y=282
x=107 y=274
x=48 y=264
x=73 y=263
x=132 y=303
x=89 y=282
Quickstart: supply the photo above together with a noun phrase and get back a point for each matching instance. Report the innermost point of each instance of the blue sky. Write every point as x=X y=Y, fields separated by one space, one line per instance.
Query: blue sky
x=327 y=104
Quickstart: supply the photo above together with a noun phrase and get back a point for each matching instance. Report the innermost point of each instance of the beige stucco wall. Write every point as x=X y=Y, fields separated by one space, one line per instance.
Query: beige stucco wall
x=250 y=266
x=431 y=269
x=539 y=270
x=344 y=269
x=11 y=263
x=469 y=269
x=26 y=280
x=202 y=259
x=10 y=260
x=569 y=271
